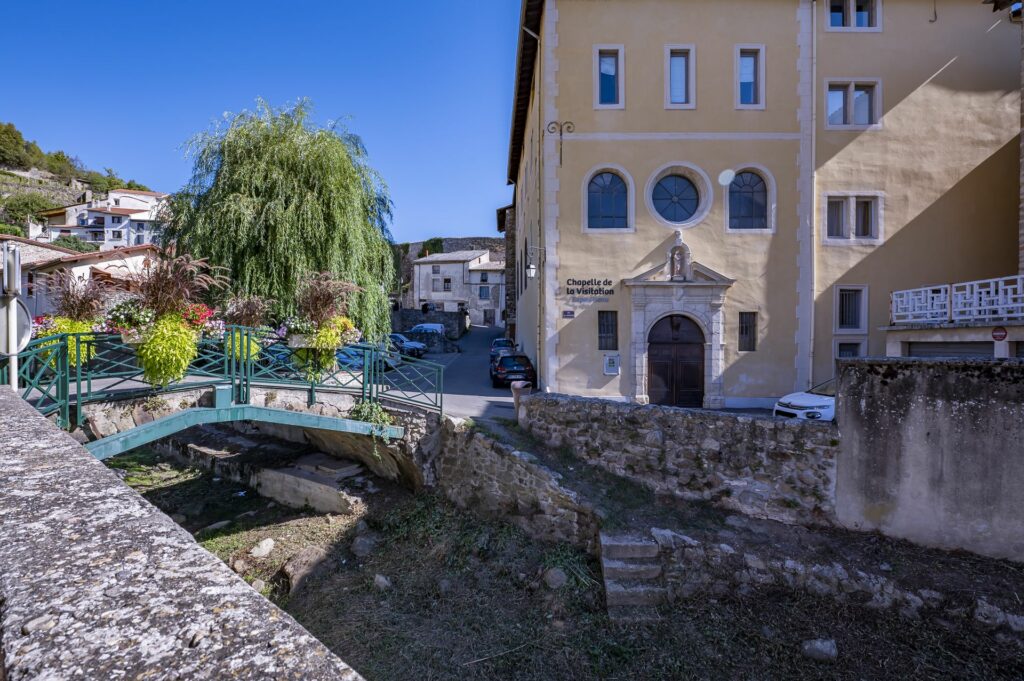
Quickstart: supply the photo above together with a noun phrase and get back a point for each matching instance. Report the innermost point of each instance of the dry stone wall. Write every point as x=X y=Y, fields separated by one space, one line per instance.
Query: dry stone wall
x=762 y=466
x=478 y=473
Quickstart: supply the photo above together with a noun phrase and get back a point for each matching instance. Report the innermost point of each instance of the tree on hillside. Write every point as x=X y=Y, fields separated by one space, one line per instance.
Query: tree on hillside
x=12 y=147
x=275 y=198
x=17 y=208
x=75 y=243
x=431 y=246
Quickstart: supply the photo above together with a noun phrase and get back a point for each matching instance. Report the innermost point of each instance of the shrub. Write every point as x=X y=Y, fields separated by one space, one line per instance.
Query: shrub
x=324 y=297
x=129 y=315
x=76 y=299
x=75 y=244
x=172 y=284
x=168 y=350
x=13 y=230
x=248 y=310
x=80 y=350
x=25 y=205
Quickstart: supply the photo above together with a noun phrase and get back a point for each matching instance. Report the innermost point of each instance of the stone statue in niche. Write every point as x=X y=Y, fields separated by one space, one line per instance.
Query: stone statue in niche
x=680 y=263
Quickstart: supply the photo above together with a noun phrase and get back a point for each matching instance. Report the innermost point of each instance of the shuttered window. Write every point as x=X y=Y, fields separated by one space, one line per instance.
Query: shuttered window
x=748 y=332
x=607 y=330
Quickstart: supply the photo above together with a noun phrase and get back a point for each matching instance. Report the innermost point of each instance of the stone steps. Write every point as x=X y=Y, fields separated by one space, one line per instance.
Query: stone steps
x=615 y=569
x=628 y=547
x=633 y=584
x=633 y=592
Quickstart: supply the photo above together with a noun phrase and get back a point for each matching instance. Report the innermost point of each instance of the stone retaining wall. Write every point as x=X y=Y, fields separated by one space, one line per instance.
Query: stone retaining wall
x=479 y=474
x=691 y=566
x=762 y=466
x=96 y=583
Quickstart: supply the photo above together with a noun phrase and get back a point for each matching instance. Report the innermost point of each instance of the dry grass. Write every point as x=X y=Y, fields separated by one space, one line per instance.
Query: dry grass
x=467 y=603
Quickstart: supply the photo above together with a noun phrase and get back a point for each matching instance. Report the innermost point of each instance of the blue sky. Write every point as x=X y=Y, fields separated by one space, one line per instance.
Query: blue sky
x=428 y=86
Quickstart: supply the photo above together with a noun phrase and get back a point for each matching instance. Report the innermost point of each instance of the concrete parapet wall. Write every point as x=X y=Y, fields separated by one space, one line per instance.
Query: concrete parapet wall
x=98 y=584
x=762 y=466
x=933 y=452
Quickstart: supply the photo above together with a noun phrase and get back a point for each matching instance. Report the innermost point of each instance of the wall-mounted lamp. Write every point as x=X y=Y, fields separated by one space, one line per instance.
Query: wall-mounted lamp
x=531 y=267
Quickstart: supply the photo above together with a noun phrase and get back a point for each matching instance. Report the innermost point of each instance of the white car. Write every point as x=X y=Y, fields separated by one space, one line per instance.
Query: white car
x=817 y=404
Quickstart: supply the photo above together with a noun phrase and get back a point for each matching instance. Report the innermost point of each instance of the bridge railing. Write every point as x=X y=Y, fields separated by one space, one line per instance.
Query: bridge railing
x=56 y=371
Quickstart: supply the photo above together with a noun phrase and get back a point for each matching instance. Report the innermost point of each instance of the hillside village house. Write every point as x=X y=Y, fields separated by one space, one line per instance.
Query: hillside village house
x=715 y=200
x=40 y=259
x=127 y=217
x=462 y=281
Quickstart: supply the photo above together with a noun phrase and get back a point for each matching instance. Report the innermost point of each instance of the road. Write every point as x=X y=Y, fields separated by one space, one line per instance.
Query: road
x=467 y=381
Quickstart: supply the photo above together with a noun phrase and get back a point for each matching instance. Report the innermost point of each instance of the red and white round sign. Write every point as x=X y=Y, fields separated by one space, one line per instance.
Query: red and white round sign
x=999 y=333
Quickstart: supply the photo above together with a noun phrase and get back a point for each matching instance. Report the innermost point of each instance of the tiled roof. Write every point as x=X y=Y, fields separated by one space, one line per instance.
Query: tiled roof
x=118 y=211
x=138 y=191
x=454 y=256
x=98 y=256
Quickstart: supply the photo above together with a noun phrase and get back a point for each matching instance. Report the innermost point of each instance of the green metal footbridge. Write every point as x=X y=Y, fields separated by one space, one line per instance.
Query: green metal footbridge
x=60 y=374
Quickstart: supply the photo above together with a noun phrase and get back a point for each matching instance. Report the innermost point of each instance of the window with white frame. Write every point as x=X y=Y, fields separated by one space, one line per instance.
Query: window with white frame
x=748 y=201
x=853 y=105
x=849 y=348
x=435 y=285
x=680 y=71
x=852 y=218
x=750 y=76
x=117 y=235
x=608 y=77
x=435 y=269
x=116 y=220
x=851 y=309
x=854 y=15
x=483 y=277
x=485 y=293
x=447 y=285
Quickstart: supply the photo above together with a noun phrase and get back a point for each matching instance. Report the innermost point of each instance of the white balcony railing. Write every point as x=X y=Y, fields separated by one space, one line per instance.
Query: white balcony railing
x=988 y=300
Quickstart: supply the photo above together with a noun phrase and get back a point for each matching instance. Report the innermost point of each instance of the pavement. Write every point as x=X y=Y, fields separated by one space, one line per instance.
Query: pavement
x=467 y=380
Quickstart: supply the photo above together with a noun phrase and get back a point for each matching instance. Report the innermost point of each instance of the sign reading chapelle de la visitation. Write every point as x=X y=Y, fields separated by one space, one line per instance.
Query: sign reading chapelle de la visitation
x=594 y=290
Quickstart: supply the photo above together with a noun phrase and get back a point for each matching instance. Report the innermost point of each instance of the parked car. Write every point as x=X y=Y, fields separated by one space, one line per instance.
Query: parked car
x=510 y=368
x=817 y=404
x=350 y=359
x=428 y=328
x=406 y=346
x=498 y=354
x=499 y=343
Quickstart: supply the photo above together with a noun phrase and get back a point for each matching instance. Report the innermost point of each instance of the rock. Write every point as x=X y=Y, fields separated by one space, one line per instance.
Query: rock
x=41 y=623
x=194 y=509
x=214 y=527
x=362 y=527
x=820 y=649
x=240 y=566
x=302 y=565
x=381 y=583
x=263 y=549
x=364 y=544
x=178 y=518
x=444 y=586
x=555 y=578
x=259 y=585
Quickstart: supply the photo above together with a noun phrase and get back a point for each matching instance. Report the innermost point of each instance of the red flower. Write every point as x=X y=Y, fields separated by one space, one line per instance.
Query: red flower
x=197 y=315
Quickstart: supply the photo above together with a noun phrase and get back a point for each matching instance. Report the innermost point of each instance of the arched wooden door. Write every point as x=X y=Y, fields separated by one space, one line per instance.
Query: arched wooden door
x=675 y=363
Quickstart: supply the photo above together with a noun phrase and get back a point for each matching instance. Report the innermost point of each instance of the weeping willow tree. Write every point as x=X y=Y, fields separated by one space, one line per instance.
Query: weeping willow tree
x=275 y=199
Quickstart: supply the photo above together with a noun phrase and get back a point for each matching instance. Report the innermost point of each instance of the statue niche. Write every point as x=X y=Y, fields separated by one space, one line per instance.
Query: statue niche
x=680 y=263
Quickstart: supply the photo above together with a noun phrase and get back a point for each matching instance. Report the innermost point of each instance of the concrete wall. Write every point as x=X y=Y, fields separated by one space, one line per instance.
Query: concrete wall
x=764 y=467
x=117 y=589
x=932 y=452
